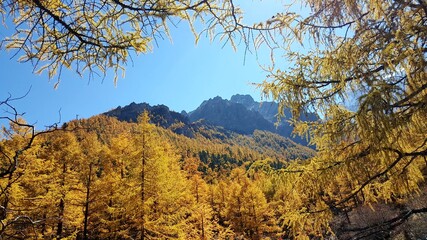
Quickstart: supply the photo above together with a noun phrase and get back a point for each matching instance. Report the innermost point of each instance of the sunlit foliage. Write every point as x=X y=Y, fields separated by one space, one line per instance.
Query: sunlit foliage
x=364 y=71
x=97 y=35
x=360 y=65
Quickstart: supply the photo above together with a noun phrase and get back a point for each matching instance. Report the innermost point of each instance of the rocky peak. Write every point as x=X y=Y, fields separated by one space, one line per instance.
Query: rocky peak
x=230 y=115
x=246 y=100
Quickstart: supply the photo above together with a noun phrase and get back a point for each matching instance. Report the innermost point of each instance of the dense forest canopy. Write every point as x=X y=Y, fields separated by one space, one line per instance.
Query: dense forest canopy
x=371 y=52
x=104 y=179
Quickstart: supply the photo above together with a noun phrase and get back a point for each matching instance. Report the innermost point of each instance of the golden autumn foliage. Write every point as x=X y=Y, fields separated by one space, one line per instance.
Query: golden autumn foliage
x=360 y=65
x=120 y=181
x=130 y=180
x=364 y=73
x=94 y=36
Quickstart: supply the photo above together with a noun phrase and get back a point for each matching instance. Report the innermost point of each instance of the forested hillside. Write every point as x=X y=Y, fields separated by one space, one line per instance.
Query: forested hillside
x=102 y=178
x=361 y=66
x=241 y=114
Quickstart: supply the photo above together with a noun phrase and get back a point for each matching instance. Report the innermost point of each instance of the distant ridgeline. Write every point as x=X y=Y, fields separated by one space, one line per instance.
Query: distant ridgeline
x=229 y=127
x=160 y=115
x=241 y=114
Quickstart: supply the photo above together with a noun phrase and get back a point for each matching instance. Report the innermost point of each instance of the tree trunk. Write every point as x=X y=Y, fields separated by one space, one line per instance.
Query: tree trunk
x=87 y=202
x=203 y=226
x=143 y=186
x=60 y=219
x=61 y=204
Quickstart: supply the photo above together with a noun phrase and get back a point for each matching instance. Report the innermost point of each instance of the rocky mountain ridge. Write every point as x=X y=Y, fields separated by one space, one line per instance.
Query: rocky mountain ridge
x=241 y=114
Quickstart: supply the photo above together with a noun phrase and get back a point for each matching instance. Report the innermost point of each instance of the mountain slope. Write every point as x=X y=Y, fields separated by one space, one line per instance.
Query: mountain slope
x=241 y=114
x=231 y=116
x=220 y=121
x=244 y=115
x=268 y=110
x=160 y=115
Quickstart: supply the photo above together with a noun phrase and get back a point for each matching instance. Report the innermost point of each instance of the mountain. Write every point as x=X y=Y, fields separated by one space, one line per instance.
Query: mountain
x=241 y=114
x=232 y=116
x=268 y=110
x=160 y=115
x=244 y=115
x=221 y=122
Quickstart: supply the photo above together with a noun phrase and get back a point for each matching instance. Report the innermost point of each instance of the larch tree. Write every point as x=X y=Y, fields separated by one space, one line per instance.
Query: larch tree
x=20 y=144
x=91 y=170
x=247 y=211
x=119 y=185
x=98 y=35
x=160 y=199
x=201 y=225
x=17 y=150
x=361 y=65
x=44 y=189
x=39 y=198
x=65 y=187
x=13 y=159
x=218 y=203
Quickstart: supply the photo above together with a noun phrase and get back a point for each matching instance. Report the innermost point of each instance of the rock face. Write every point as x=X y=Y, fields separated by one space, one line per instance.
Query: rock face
x=241 y=114
x=160 y=115
x=245 y=100
x=268 y=110
x=230 y=115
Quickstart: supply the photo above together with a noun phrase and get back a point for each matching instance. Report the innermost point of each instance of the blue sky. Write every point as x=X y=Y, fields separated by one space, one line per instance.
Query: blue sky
x=179 y=74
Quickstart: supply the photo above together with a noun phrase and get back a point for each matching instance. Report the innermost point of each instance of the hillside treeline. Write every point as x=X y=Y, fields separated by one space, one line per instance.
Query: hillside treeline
x=100 y=178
